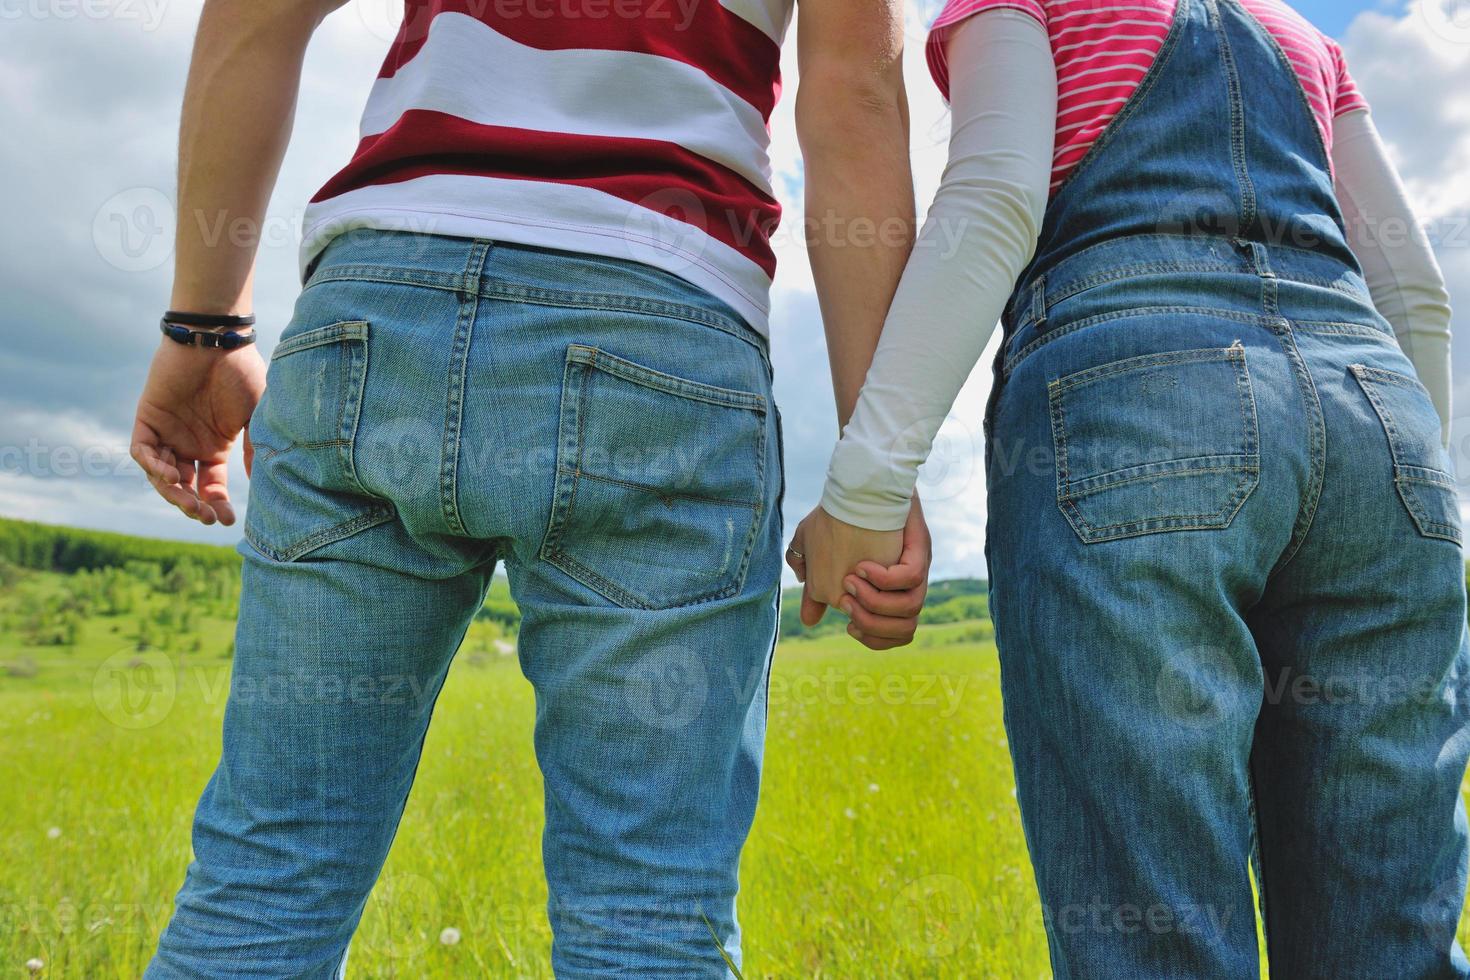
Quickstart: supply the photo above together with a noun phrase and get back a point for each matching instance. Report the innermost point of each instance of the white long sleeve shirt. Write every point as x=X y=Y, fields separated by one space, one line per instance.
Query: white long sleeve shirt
x=982 y=230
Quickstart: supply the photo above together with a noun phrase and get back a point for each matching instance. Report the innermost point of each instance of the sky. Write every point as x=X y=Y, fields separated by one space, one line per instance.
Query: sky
x=89 y=100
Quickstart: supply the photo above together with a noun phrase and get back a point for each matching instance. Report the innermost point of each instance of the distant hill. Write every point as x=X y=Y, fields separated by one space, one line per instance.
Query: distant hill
x=56 y=548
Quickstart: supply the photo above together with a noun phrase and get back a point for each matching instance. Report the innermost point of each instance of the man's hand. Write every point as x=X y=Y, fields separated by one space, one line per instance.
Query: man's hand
x=195 y=402
x=878 y=578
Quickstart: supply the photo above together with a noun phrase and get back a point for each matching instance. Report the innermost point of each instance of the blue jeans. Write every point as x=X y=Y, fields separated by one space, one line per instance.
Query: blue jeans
x=1225 y=555
x=1229 y=598
x=437 y=406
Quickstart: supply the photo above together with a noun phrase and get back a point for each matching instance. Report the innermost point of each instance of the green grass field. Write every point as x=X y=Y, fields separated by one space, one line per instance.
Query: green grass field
x=887 y=844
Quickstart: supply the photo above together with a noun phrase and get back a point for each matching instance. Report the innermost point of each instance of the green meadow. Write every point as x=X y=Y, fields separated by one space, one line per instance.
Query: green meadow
x=887 y=844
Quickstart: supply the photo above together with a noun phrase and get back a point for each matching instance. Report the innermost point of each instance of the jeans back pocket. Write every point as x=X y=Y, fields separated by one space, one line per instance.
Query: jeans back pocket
x=660 y=483
x=1420 y=464
x=1162 y=442
x=304 y=491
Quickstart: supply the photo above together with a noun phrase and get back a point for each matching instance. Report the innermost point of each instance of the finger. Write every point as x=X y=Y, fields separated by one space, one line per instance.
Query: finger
x=796 y=553
x=145 y=452
x=904 y=605
x=871 y=624
x=797 y=562
x=812 y=611
x=876 y=642
x=895 y=578
x=181 y=497
x=214 y=491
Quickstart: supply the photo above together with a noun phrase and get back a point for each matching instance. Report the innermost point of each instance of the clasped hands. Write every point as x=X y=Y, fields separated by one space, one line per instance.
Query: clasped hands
x=877 y=578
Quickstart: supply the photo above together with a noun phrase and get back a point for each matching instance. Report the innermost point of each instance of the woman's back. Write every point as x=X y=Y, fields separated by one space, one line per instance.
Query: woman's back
x=1103 y=51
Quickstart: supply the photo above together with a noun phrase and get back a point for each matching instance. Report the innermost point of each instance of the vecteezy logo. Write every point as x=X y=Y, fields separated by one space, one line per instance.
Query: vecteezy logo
x=1200 y=687
x=668 y=228
x=668 y=688
x=383 y=18
x=133 y=229
x=1447 y=19
x=401 y=913
x=935 y=915
x=135 y=689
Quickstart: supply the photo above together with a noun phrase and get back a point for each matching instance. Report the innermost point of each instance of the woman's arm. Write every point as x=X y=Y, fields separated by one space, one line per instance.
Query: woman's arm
x=980 y=234
x=1403 y=276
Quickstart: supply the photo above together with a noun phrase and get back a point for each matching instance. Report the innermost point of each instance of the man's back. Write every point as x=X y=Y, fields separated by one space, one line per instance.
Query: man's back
x=634 y=129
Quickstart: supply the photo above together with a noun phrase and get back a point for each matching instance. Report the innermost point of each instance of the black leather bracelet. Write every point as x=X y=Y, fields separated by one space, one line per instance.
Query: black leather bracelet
x=191 y=336
x=185 y=319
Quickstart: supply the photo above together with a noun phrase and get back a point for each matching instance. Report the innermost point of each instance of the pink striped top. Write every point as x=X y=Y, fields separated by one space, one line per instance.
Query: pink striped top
x=1104 y=49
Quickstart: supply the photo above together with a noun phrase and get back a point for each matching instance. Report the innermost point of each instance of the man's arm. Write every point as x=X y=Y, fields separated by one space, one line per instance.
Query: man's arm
x=852 y=121
x=853 y=124
x=239 y=104
x=238 y=109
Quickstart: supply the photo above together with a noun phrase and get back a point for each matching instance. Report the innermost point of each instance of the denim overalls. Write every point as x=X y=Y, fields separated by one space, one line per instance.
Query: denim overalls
x=1224 y=549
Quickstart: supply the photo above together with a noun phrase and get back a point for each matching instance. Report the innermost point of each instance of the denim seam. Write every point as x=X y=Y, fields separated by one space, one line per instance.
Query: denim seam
x=578 y=374
x=1220 y=463
x=1206 y=355
x=1325 y=162
x=1067 y=491
x=348 y=419
x=342 y=332
x=491 y=288
x=1255 y=319
x=1407 y=477
x=371 y=517
x=1244 y=183
x=459 y=356
x=1057 y=294
x=1316 y=444
x=1155 y=72
x=1340 y=328
x=599 y=359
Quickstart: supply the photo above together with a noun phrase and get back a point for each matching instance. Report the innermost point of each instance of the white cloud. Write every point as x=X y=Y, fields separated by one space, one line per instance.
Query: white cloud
x=90 y=107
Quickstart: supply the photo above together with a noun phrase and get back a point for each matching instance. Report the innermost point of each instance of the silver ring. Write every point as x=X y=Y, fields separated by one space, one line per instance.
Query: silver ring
x=796 y=554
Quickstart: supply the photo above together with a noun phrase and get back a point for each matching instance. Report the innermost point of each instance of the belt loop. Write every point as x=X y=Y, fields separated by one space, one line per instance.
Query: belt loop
x=469 y=286
x=1037 y=313
x=1260 y=258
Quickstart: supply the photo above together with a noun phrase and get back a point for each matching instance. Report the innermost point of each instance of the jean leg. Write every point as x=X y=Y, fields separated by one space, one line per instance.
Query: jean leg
x=1363 y=741
x=337 y=666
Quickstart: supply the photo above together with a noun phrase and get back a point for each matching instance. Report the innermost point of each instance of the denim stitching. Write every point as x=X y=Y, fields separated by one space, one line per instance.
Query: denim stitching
x=1156 y=70
x=601 y=360
x=1325 y=161
x=1148 y=472
x=459 y=356
x=1407 y=477
x=343 y=332
x=360 y=522
x=1069 y=493
x=490 y=288
x=1208 y=355
x=1255 y=319
x=355 y=383
x=569 y=479
x=1243 y=181
x=1316 y=444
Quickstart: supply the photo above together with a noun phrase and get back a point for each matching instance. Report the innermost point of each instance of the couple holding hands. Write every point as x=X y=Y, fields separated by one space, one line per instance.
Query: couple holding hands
x=1223 y=539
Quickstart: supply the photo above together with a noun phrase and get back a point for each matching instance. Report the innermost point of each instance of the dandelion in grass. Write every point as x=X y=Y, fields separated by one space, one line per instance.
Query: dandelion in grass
x=54 y=833
x=449 y=937
x=35 y=965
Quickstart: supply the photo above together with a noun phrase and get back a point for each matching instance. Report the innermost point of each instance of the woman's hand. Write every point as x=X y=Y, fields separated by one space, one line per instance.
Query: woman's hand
x=877 y=578
x=194 y=403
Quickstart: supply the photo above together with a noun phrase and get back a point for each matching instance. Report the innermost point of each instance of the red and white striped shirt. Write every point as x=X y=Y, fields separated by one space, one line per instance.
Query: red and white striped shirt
x=636 y=129
x=1103 y=50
